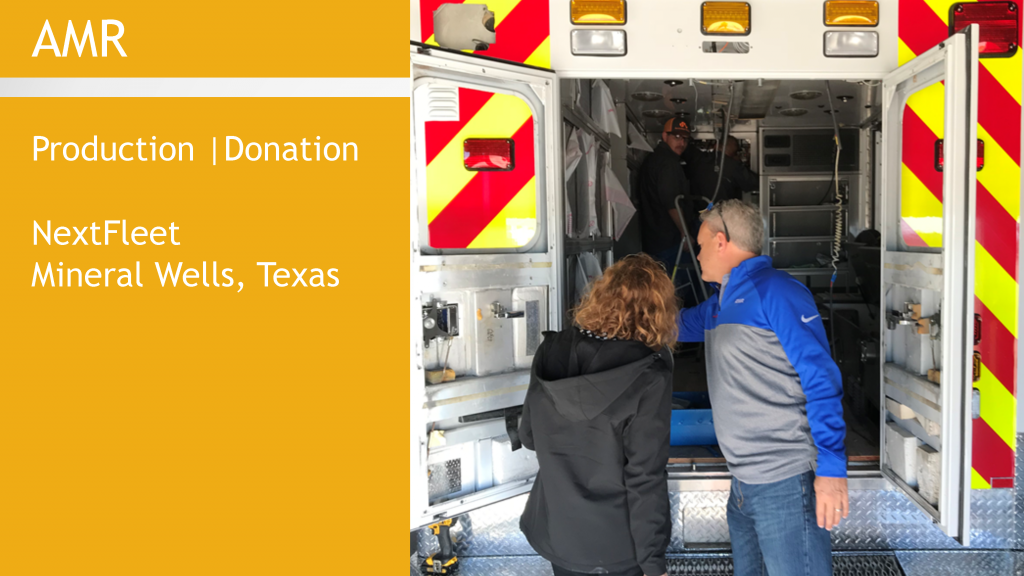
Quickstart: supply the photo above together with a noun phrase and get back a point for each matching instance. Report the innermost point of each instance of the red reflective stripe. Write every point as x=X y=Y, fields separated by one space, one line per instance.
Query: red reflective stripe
x=439 y=134
x=480 y=201
x=998 y=347
x=997 y=231
x=910 y=235
x=1000 y=113
x=991 y=456
x=427 y=8
x=920 y=28
x=919 y=151
x=521 y=32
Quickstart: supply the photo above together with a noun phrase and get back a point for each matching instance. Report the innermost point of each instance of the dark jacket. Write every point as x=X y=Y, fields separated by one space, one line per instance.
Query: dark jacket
x=702 y=170
x=661 y=180
x=598 y=415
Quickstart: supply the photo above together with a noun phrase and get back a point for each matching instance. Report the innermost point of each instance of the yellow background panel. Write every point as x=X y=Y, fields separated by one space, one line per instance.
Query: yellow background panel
x=201 y=431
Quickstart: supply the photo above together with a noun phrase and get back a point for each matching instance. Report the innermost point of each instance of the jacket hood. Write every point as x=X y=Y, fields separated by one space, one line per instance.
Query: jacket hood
x=584 y=396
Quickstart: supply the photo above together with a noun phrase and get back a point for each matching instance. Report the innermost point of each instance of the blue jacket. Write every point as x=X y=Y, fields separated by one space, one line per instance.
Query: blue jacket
x=776 y=394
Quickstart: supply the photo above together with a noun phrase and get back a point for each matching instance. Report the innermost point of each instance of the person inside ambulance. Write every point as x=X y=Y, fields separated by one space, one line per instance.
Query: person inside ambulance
x=702 y=171
x=662 y=179
x=776 y=400
x=598 y=414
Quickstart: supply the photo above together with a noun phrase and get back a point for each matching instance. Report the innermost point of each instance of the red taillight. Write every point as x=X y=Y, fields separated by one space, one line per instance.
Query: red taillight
x=489 y=155
x=999 y=23
x=939 y=154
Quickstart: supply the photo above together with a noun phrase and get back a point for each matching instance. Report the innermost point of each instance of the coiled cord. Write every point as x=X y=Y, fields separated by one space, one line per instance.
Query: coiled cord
x=838 y=238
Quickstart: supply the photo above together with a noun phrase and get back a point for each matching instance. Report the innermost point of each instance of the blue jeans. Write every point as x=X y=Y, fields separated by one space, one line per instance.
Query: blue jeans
x=774 y=529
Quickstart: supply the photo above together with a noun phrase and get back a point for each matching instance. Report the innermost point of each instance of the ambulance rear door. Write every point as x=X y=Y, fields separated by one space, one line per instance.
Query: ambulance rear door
x=486 y=282
x=928 y=278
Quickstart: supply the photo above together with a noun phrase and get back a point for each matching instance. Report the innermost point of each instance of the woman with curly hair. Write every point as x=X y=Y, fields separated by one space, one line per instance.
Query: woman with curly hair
x=598 y=413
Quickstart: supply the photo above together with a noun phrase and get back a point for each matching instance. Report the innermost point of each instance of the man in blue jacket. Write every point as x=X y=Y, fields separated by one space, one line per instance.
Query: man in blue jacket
x=776 y=397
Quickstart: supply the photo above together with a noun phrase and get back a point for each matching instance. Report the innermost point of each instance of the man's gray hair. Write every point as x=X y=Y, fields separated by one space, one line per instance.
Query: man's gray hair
x=746 y=228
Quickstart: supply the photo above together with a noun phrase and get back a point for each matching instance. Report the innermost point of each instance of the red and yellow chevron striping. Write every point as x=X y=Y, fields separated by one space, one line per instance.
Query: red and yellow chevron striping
x=468 y=209
x=923 y=24
x=521 y=29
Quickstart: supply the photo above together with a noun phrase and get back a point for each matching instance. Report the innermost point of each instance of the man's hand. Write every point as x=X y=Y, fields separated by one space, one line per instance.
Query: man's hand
x=833 y=501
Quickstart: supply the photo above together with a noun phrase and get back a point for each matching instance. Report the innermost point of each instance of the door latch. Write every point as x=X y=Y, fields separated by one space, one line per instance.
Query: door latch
x=502 y=312
x=440 y=320
x=907 y=317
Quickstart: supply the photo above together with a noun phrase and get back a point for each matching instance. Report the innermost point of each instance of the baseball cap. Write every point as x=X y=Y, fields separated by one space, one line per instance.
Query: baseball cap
x=676 y=125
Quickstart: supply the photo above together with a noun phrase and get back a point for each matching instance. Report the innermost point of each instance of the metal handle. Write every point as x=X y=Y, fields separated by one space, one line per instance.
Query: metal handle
x=501 y=312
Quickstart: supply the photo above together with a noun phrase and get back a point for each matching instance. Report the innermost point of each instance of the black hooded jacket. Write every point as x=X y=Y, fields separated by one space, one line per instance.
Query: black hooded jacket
x=598 y=415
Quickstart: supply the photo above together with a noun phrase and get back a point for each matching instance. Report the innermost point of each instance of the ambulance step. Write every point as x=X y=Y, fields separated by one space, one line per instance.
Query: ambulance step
x=697 y=564
x=881 y=564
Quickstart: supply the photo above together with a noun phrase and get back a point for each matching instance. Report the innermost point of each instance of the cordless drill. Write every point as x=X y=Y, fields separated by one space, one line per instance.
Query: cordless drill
x=445 y=561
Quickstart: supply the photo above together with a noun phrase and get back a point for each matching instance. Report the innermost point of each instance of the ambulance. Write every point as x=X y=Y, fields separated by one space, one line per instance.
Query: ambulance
x=886 y=137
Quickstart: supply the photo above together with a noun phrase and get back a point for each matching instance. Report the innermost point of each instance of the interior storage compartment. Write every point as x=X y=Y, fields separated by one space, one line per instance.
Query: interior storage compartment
x=800 y=254
x=803 y=223
x=810 y=150
x=804 y=192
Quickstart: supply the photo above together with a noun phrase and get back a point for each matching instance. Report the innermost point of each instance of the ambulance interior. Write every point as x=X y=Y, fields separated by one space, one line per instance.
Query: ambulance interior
x=810 y=202
x=484 y=313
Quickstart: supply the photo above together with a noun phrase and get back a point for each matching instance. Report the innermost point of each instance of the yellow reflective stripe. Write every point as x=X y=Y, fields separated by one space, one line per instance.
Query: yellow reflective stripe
x=977 y=482
x=501 y=8
x=995 y=288
x=500 y=117
x=941 y=9
x=541 y=57
x=920 y=208
x=998 y=406
x=515 y=225
x=1001 y=175
x=905 y=53
x=930 y=105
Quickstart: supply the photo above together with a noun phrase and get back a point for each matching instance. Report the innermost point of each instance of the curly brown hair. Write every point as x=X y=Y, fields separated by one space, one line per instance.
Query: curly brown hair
x=633 y=300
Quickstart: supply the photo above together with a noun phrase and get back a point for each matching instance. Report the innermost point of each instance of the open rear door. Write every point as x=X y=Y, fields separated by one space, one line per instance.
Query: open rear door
x=928 y=219
x=486 y=273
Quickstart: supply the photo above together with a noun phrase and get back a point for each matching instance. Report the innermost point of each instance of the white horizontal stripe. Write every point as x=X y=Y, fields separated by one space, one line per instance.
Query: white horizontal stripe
x=205 y=87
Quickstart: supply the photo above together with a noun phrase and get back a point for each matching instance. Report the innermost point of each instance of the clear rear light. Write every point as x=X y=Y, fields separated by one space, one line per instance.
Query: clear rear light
x=598 y=42
x=851 y=44
x=489 y=154
x=999 y=23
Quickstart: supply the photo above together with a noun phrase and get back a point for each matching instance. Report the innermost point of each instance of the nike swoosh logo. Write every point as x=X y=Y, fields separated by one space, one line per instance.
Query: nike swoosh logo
x=806 y=320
